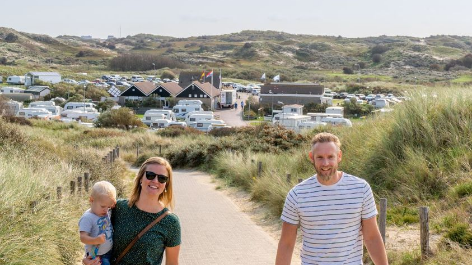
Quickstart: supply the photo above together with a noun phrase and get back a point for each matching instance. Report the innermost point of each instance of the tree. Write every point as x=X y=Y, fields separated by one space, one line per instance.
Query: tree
x=348 y=71
x=11 y=38
x=122 y=118
x=168 y=74
x=376 y=58
x=379 y=49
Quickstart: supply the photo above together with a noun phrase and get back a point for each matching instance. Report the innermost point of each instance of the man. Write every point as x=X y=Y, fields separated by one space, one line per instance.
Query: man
x=336 y=212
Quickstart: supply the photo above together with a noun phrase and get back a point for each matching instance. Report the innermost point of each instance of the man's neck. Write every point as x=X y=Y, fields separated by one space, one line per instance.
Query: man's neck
x=333 y=180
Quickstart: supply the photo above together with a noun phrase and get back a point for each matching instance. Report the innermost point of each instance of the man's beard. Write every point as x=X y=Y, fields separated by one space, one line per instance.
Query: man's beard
x=326 y=176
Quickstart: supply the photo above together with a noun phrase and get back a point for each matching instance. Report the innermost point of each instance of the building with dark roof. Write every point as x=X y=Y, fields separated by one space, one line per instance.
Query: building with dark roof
x=291 y=93
x=38 y=91
x=197 y=90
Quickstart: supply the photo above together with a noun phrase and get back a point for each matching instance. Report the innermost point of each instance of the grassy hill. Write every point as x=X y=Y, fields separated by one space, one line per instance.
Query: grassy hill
x=248 y=54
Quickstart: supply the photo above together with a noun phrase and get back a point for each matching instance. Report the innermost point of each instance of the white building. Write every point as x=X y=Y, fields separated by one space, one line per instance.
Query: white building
x=50 y=77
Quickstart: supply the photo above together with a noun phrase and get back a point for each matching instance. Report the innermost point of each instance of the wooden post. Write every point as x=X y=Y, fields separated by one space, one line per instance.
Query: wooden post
x=72 y=187
x=110 y=154
x=259 y=169
x=117 y=151
x=300 y=180
x=289 y=177
x=383 y=218
x=160 y=149
x=86 y=181
x=137 y=150
x=424 y=232
x=59 y=193
x=79 y=184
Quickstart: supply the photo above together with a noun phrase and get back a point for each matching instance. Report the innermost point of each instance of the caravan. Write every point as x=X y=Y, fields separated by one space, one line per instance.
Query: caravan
x=196 y=117
x=182 y=110
x=206 y=125
x=38 y=113
x=78 y=105
x=168 y=114
x=16 y=80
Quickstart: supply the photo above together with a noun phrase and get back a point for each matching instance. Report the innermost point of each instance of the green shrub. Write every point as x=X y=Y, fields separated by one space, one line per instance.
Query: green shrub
x=177 y=131
x=402 y=215
x=122 y=118
x=463 y=190
x=461 y=234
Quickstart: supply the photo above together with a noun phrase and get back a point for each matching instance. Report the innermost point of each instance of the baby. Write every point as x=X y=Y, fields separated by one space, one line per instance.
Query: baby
x=95 y=227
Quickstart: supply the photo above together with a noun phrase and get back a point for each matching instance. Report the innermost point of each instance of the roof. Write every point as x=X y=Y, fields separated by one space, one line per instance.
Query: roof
x=208 y=88
x=36 y=89
x=292 y=88
x=145 y=87
x=186 y=78
x=294 y=106
x=171 y=87
x=44 y=73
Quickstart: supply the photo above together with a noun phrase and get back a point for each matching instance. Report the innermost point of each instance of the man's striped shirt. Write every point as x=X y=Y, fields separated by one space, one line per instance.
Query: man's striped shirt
x=330 y=218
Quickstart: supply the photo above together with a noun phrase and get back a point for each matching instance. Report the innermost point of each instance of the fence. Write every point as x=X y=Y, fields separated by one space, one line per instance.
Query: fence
x=382 y=220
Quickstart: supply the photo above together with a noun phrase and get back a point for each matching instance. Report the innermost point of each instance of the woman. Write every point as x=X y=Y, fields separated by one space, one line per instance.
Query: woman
x=150 y=197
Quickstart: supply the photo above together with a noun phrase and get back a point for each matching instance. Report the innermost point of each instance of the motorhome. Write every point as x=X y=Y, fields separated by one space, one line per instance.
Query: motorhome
x=198 y=112
x=16 y=80
x=196 y=117
x=381 y=103
x=41 y=103
x=39 y=113
x=206 y=125
x=292 y=122
x=137 y=78
x=337 y=121
x=168 y=114
x=335 y=110
x=150 y=118
x=279 y=116
x=181 y=110
x=164 y=123
x=78 y=105
x=317 y=117
x=187 y=102
x=55 y=110
x=10 y=90
x=79 y=114
x=308 y=125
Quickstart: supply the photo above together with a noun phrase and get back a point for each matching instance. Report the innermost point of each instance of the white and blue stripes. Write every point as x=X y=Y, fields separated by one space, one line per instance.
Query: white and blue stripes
x=330 y=218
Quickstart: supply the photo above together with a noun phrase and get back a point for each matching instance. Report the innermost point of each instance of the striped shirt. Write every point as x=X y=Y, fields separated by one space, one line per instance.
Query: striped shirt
x=330 y=218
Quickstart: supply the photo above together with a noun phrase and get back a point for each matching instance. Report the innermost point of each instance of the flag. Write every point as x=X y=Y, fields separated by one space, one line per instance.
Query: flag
x=277 y=78
x=263 y=76
x=203 y=75
x=209 y=74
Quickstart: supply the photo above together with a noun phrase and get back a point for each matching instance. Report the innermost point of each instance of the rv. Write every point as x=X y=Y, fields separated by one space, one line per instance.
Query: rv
x=292 y=122
x=196 y=117
x=150 y=118
x=10 y=90
x=168 y=114
x=317 y=117
x=381 y=103
x=207 y=125
x=77 y=105
x=187 y=102
x=41 y=103
x=337 y=121
x=182 y=110
x=39 y=113
x=49 y=106
x=164 y=123
x=335 y=110
x=78 y=114
x=308 y=125
x=16 y=80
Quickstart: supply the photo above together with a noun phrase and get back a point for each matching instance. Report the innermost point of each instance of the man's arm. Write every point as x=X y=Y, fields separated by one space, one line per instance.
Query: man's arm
x=373 y=241
x=286 y=244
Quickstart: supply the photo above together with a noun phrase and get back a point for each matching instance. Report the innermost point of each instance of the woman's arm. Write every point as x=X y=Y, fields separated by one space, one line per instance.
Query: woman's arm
x=172 y=255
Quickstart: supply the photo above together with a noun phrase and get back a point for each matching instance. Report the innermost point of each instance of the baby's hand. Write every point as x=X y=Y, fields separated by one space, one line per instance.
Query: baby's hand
x=101 y=239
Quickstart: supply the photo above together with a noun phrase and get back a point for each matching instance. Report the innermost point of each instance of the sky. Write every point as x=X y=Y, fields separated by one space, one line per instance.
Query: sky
x=185 y=18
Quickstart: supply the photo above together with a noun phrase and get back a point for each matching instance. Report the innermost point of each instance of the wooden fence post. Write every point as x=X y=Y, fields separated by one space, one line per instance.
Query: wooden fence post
x=72 y=187
x=383 y=218
x=86 y=181
x=111 y=157
x=79 y=184
x=160 y=149
x=117 y=151
x=259 y=169
x=289 y=177
x=59 y=193
x=424 y=232
x=137 y=150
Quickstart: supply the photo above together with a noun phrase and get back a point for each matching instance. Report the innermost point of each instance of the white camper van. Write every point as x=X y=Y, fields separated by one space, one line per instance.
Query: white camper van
x=151 y=118
x=182 y=110
x=41 y=103
x=337 y=121
x=78 y=105
x=16 y=80
x=335 y=110
x=189 y=102
x=39 y=113
x=196 y=117
x=164 y=123
x=168 y=114
x=205 y=126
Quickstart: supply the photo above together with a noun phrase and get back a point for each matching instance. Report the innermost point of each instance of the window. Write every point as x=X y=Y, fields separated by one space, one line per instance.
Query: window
x=293 y=110
x=184 y=110
x=201 y=95
x=70 y=107
x=192 y=119
x=199 y=125
x=148 y=118
x=189 y=95
x=196 y=95
x=175 y=110
x=197 y=109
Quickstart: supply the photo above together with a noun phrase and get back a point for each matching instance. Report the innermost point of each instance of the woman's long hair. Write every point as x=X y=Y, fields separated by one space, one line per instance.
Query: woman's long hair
x=165 y=197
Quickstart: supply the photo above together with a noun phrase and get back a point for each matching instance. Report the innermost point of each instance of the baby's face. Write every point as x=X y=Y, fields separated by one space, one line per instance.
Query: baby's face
x=101 y=205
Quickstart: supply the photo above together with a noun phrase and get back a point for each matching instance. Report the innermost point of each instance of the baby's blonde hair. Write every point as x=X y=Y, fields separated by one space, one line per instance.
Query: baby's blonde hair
x=103 y=188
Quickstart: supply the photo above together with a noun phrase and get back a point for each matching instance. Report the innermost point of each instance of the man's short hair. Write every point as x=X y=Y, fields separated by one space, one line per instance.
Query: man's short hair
x=103 y=189
x=325 y=137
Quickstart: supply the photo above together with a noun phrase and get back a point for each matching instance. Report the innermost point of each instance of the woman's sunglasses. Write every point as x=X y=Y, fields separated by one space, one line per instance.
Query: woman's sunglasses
x=161 y=178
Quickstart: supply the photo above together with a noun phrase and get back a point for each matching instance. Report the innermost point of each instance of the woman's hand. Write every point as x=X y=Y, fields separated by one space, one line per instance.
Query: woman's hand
x=89 y=261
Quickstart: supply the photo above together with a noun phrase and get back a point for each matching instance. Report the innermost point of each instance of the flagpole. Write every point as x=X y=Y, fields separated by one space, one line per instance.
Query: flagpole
x=211 y=89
